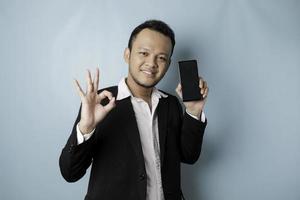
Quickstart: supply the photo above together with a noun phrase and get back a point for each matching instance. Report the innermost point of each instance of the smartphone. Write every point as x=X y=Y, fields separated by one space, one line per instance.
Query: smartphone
x=188 y=71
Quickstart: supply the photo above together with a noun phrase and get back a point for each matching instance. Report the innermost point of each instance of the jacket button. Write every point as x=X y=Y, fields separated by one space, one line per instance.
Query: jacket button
x=142 y=176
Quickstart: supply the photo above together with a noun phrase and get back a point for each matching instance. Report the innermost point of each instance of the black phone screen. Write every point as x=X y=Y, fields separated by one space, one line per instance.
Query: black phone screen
x=189 y=78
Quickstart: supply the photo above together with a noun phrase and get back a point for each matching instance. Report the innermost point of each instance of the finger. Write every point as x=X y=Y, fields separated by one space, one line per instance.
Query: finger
x=202 y=91
x=110 y=105
x=205 y=92
x=78 y=89
x=103 y=95
x=89 y=82
x=96 y=80
x=201 y=82
x=204 y=85
x=179 y=87
x=179 y=90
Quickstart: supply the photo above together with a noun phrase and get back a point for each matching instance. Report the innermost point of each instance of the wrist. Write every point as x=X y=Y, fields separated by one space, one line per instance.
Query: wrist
x=194 y=113
x=85 y=129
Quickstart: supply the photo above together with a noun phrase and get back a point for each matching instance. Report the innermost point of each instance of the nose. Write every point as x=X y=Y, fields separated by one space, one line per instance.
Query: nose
x=151 y=61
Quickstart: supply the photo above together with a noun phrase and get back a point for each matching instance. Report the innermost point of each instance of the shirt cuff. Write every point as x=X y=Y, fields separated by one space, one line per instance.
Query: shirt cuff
x=196 y=117
x=82 y=137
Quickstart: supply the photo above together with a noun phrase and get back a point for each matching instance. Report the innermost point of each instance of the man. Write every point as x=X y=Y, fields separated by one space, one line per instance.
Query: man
x=134 y=135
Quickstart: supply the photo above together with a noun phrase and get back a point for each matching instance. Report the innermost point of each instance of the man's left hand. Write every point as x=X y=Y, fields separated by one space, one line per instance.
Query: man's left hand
x=195 y=107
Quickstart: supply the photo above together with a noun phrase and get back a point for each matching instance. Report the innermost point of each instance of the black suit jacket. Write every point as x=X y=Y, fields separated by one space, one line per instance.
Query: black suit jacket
x=115 y=151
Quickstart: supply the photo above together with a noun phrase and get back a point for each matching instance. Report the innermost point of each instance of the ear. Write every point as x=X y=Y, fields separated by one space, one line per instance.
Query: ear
x=126 y=55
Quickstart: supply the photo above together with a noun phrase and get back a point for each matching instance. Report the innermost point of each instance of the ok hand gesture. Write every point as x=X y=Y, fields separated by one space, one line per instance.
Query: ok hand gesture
x=92 y=112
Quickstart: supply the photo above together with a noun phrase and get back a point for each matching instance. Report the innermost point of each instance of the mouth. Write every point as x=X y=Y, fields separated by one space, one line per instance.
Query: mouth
x=149 y=73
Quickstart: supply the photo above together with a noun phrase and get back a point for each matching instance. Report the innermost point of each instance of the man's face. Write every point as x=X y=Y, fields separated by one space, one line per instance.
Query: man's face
x=149 y=58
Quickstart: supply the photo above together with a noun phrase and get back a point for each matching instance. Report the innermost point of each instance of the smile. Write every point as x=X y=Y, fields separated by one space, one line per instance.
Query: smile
x=149 y=73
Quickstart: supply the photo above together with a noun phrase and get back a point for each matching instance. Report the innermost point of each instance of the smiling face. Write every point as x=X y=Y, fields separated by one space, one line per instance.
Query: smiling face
x=148 y=59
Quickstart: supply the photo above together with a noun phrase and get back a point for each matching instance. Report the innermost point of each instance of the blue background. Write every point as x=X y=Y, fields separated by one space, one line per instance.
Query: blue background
x=248 y=51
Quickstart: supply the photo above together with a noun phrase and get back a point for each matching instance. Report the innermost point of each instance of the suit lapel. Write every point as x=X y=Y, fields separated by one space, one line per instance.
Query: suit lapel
x=132 y=128
x=162 y=114
x=126 y=108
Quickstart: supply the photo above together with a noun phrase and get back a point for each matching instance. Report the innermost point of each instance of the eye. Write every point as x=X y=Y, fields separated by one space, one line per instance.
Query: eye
x=143 y=53
x=162 y=58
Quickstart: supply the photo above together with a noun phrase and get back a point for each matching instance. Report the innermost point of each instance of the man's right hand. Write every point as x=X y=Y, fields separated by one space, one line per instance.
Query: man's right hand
x=92 y=112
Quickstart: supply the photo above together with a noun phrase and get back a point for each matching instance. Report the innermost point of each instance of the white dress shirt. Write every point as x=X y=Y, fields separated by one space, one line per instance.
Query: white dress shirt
x=148 y=128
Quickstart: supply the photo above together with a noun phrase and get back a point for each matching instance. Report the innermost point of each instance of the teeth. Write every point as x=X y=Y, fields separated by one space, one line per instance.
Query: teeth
x=147 y=72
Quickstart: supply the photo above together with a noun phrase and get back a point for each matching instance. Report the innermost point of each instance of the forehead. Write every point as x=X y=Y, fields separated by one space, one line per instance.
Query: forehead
x=152 y=40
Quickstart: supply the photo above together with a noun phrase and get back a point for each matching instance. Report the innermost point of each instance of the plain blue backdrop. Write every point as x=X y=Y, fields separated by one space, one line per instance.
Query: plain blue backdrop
x=247 y=50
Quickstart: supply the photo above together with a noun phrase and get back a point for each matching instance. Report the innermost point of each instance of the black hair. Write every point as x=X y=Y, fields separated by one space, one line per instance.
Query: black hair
x=155 y=25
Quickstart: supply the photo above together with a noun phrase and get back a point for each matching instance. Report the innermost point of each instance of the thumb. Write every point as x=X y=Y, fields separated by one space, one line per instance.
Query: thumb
x=179 y=90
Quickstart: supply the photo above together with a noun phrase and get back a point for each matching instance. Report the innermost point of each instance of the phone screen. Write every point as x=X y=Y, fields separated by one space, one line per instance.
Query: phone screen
x=189 y=78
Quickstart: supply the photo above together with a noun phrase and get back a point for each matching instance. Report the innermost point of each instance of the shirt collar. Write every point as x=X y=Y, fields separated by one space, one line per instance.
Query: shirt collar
x=124 y=92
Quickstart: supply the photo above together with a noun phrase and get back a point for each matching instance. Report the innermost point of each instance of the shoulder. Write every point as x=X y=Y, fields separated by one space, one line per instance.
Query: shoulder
x=173 y=103
x=171 y=98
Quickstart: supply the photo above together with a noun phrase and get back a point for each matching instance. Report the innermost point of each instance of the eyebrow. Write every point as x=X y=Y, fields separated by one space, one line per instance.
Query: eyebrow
x=144 y=48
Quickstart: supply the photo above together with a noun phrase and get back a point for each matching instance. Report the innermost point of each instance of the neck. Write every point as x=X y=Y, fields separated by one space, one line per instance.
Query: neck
x=139 y=91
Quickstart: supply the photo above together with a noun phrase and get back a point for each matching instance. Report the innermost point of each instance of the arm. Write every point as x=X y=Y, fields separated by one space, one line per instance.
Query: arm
x=192 y=129
x=191 y=137
x=76 y=156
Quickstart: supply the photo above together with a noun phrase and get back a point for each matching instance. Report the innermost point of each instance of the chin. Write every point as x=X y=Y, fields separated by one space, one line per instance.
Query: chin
x=147 y=84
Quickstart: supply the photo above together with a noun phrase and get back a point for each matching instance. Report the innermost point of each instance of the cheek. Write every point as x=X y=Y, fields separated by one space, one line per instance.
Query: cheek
x=163 y=68
x=136 y=62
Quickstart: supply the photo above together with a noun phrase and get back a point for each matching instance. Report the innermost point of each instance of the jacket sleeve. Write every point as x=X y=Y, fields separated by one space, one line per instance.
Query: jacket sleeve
x=76 y=158
x=191 y=136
